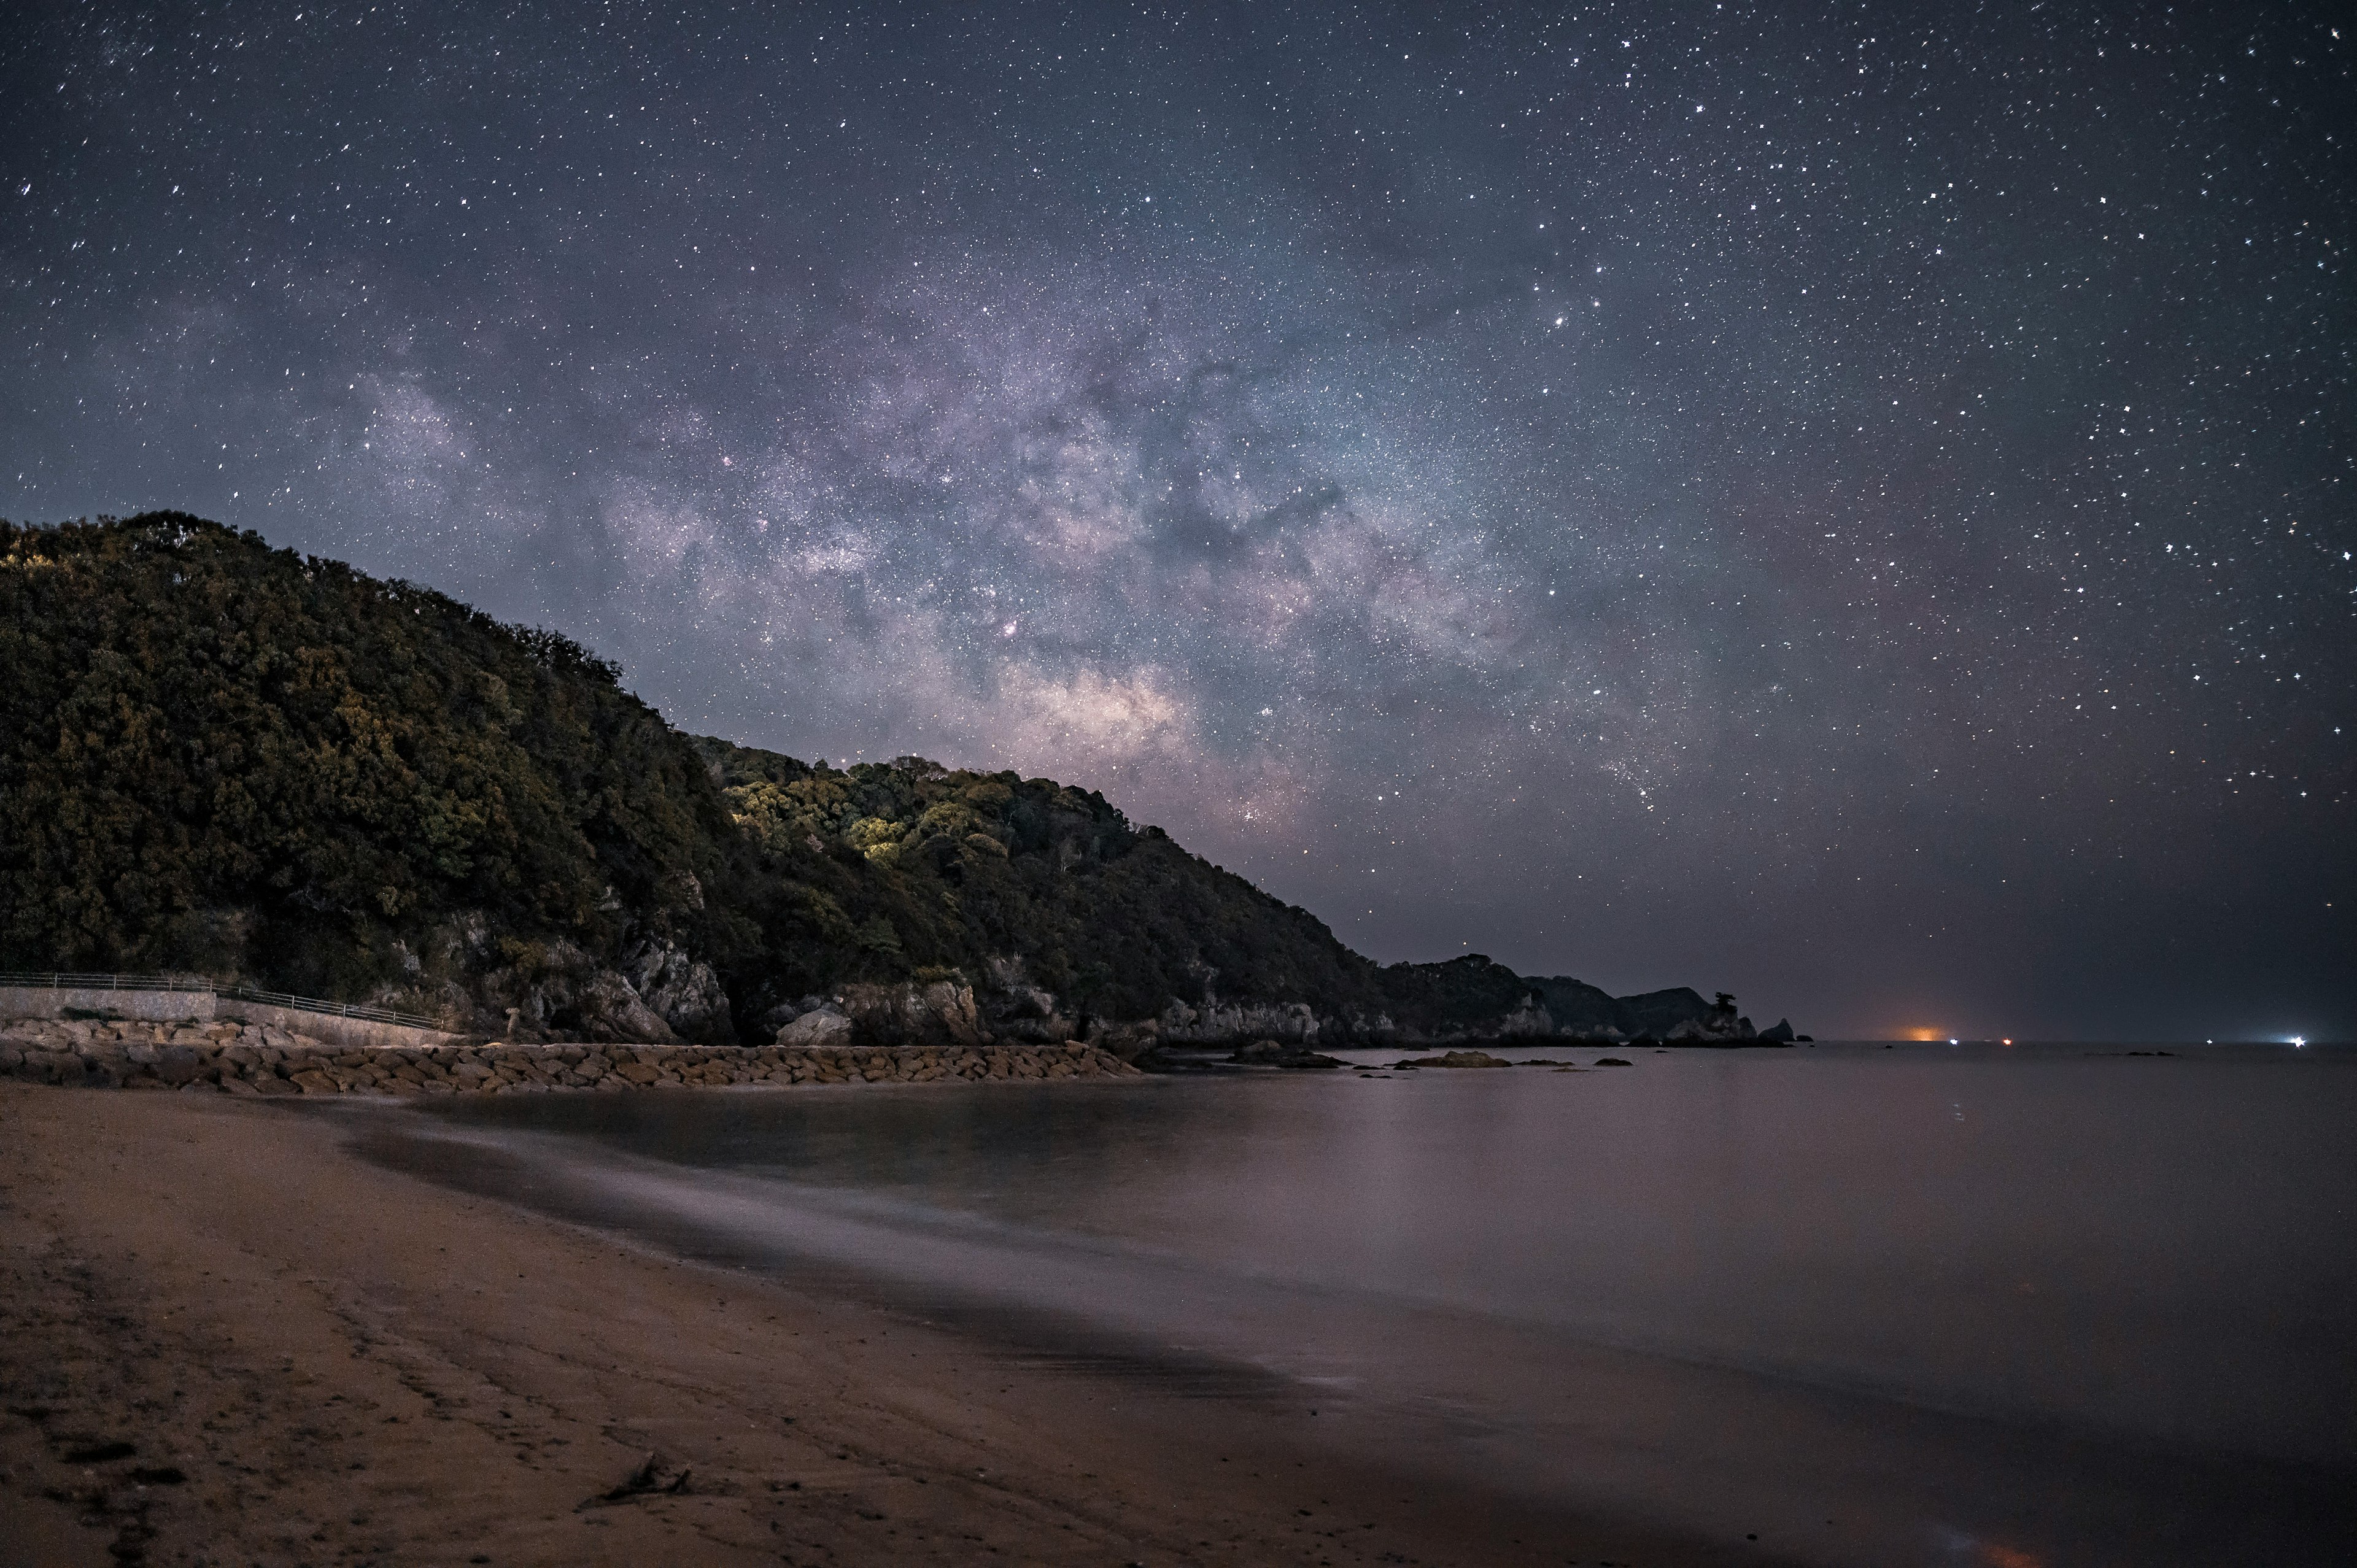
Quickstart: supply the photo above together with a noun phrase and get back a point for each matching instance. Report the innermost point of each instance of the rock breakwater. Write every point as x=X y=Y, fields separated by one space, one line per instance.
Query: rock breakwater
x=257 y=1060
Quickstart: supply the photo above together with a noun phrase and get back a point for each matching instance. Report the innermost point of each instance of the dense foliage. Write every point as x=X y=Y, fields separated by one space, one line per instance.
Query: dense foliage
x=914 y=867
x=214 y=755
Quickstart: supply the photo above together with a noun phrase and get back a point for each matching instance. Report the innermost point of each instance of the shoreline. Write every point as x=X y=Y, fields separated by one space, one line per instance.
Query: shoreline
x=313 y=1357
x=264 y=1060
x=237 y=1057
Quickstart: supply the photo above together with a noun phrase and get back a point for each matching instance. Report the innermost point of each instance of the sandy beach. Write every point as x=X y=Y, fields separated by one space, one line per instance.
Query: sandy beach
x=225 y=1339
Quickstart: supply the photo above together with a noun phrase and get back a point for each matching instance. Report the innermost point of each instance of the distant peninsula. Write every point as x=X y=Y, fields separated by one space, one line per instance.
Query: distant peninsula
x=220 y=757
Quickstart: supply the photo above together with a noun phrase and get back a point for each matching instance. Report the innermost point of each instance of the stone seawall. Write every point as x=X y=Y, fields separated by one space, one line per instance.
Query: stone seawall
x=225 y=1057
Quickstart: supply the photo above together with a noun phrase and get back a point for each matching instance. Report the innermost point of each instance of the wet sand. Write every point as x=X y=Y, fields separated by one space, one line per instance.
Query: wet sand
x=223 y=1337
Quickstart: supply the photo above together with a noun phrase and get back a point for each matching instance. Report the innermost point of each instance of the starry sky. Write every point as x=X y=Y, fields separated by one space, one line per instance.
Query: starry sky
x=1846 y=504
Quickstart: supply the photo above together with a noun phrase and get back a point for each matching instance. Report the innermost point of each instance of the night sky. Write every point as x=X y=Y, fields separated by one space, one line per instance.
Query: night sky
x=1850 y=505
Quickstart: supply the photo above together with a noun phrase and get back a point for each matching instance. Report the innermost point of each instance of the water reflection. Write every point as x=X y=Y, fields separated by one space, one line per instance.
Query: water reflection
x=2114 y=1275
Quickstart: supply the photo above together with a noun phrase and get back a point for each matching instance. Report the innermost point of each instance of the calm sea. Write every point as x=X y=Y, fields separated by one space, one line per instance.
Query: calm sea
x=2039 y=1304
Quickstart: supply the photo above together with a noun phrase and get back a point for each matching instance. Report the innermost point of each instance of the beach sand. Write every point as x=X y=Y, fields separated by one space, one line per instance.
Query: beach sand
x=226 y=1340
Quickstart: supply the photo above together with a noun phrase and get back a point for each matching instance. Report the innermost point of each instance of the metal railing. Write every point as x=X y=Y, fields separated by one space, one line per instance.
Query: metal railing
x=313 y=1005
x=61 y=981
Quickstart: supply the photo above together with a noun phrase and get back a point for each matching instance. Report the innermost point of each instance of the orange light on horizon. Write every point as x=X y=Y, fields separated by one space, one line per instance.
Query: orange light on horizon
x=1924 y=1034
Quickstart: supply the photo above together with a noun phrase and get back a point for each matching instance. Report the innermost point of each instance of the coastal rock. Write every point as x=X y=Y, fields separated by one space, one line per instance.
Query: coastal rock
x=1218 y=1023
x=556 y=987
x=610 y=1009
x=242 y=1061
x=1779 y=1033
x=1455 y=1058
x=1013 y=1006
x=940 y=1013
x=1030 y=1001
x=685 y=992
x=1158 y=1057
x=1126 y=1040
x=1053 y=1029
x=1278 y=1054
x=1530 y=1018
x=1719 y=1024
x=784 y=1012
x=175 y=1064
x=819 y=1027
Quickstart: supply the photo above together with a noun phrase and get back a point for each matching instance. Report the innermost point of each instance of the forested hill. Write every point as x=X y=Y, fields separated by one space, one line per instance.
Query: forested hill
x=225 y=757
x=911 y=868
x=220 y=757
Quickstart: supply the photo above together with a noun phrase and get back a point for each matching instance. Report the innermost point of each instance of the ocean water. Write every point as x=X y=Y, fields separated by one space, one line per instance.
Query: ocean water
x=2038 y=1304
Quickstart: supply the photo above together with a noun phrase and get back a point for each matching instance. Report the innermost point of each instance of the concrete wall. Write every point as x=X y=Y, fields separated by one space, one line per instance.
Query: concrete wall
x=352 y=1034
x=171 y=1006
x=154 y=1006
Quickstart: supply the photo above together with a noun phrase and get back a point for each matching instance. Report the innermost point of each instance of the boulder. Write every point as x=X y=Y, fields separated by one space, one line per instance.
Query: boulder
x=940 y=1013
x=682 y=992
x=177 y=1065
x=610 y=1009
x=783 y=1013
x=558 y=987
x=1273 y=1053
x=1013 y=1007
x=823 y=1028
x=58 y=1067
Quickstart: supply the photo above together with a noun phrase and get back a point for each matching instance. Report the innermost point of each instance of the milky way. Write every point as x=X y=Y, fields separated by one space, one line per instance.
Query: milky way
x=1852 y=508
